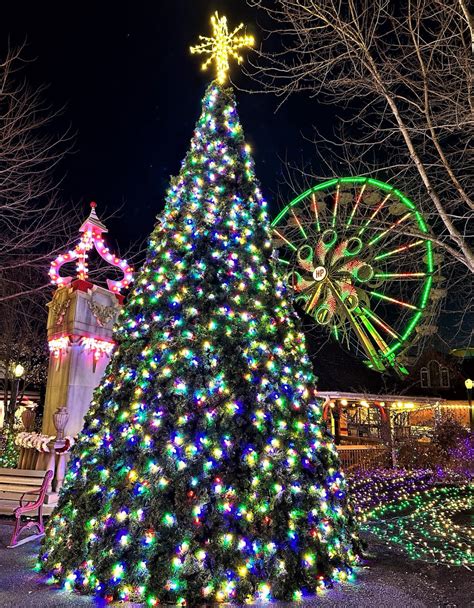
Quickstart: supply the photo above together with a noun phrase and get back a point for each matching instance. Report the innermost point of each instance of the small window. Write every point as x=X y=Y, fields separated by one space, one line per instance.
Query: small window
x=444 y=377
x=424 y=378
x=434 y=374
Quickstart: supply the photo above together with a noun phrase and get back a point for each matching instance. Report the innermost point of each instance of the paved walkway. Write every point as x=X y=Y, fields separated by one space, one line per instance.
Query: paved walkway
x=388 y=580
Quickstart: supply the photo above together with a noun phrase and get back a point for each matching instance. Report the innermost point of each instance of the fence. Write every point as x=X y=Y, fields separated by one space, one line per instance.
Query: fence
x=364 y=457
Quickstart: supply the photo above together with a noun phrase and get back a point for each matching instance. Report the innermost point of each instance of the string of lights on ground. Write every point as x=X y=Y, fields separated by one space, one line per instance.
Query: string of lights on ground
x=383 y=486
x=432 y=525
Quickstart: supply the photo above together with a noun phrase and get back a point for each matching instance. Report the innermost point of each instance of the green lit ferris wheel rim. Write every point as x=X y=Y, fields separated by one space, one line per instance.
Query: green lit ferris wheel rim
x=333 y=227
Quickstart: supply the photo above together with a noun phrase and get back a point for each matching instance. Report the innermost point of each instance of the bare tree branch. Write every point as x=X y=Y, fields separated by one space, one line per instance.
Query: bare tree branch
x=402 y=75
x=34 y=224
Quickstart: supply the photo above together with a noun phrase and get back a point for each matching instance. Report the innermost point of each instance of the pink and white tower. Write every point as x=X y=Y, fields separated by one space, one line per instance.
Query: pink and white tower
x=80 y=321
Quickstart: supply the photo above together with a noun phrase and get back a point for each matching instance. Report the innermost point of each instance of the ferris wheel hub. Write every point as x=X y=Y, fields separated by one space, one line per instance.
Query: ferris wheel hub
x=320 y=273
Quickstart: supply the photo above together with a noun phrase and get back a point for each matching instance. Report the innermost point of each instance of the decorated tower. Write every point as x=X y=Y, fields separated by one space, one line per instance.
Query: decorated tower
x=204 y=473
x=80 y=321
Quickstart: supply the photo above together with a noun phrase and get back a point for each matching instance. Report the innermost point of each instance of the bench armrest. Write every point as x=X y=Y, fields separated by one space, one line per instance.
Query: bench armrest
x=29 y=492
x=41 y=492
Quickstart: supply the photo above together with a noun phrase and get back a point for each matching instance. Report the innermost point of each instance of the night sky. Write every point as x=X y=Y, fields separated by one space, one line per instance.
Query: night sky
x=132 y=92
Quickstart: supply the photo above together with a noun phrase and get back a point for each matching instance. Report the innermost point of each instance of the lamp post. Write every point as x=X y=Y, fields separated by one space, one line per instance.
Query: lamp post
x=469 y=384
x=18 y=372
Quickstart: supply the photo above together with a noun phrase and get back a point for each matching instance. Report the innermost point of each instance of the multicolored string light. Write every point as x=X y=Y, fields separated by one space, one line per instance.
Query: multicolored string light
x=203 y=472
x=429 y=525
x=378 y=487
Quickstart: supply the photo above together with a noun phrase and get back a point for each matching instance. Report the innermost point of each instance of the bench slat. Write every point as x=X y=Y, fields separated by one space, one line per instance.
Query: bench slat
x=23 y=481
x=7 y=507
x=14 y=497
x=13 y=487
x=22 y=472
x=10 y=505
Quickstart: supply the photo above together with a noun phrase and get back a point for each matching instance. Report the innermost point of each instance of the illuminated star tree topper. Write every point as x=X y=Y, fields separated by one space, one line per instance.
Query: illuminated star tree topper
x=221 y=46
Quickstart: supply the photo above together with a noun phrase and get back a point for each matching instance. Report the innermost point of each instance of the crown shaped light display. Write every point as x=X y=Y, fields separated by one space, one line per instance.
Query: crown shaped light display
x=92 y=230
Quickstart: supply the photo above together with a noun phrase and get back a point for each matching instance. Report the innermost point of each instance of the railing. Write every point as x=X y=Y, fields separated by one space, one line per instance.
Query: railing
x=44 y=452
x=363 y=457
x=356 y=440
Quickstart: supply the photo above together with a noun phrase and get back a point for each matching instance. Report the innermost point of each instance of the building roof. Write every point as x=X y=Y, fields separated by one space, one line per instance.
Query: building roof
x=341 y=371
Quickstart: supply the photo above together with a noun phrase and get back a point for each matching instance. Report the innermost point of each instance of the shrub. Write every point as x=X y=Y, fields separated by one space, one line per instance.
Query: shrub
x=9 y=452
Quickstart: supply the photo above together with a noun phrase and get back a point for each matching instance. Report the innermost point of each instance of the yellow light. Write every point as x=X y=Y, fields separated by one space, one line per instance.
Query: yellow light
x=121 y=516
x=221 y=46
x=18 y=370
x=343 y=401
x=364 y=403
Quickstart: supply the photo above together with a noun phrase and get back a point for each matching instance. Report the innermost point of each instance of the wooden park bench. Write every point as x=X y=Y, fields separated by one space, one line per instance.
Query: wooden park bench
x=23 y=491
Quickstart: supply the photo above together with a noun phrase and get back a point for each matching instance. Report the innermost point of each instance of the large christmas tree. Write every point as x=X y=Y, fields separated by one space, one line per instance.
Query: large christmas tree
x=203 y=473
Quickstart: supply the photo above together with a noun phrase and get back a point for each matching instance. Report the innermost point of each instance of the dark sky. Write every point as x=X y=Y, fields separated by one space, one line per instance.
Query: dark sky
x=132 y=92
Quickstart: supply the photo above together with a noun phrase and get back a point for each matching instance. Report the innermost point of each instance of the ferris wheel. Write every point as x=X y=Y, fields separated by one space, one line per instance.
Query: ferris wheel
x=356 y=253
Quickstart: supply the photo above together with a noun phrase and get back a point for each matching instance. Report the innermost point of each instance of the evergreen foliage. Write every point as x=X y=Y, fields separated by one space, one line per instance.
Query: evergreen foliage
x=9 y=452
x=203 y=472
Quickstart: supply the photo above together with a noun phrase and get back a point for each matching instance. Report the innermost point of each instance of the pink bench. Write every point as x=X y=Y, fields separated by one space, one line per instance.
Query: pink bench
x=29 y=489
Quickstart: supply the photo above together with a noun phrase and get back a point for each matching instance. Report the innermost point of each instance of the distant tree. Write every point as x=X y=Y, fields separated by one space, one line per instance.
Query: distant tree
x=402 y=74
x=33 y=221
x=34 y=224
x=22 y=342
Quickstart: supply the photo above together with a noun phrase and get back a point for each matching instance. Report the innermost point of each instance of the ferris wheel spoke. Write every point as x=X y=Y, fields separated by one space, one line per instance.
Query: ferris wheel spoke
x=282 y=261
x=381 y=296
x=383 y=346
x=313 y=300
x=315 y=211
x=376 y=319
x=305 y=236
x=336 y=206
x=289 y=243
x=402 y=276
x=387 y=254
x=356 y=205
x=358 y=329
x=308 y=214
x=374 y=214
x=395 y=225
